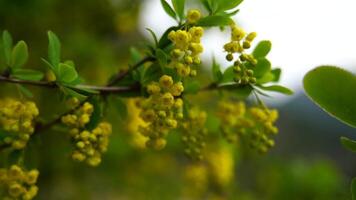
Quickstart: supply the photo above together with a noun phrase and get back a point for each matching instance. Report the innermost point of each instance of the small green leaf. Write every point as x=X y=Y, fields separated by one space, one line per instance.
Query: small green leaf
x=135 y=55
x=228 y=75
x=72 y=93
x=348 y=144
x=207 y=6
x=19 y=55
x=85 y=91
x=276 y=88
x=153 y=36
x=69 y=62
x=49 y=65
x=54 y=49
x=262 y=49
x=216 y=71
x=7 y=43
x=262 y=67
x=353 y=188
x=268 y=77
x=164 y=41
x=277 y=74
x=224 y=5
x=28 y=74
x=67 y=73
x=215 y=20
x=179 y=7
x=25 y=91
x=334 y=90
x=240 y=91
x=162 y=58
x=168 y=9
x=232 y=13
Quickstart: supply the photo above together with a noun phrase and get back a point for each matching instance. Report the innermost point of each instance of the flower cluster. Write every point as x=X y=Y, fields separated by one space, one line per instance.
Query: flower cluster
x=89 y=144
x=187 y=49
x=244 y=64
x=17 y=118
x=217 y=172
x=254 y=124
x=194 y=133
x=16 y=183
x=161 y=110
x=134 y=121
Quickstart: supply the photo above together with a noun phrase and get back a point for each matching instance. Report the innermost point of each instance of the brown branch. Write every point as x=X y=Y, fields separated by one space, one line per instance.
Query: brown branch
x=101 y=89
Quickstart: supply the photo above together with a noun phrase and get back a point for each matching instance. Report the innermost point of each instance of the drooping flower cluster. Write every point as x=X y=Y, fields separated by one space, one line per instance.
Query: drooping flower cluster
x=89 y=144
x=245 y=63
x=255 y=125
x=187 y=49
x=217 y=172
x=134 y=121
x=161 y=110
x=17 y=183
x=194 y=133
x=17 y=119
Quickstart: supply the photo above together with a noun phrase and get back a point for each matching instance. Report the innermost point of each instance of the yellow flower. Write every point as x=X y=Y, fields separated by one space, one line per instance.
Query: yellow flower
x=166 y=81
x=193 y=16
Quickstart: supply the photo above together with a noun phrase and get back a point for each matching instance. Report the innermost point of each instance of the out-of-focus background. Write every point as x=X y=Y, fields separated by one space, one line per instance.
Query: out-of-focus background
x=308 y=161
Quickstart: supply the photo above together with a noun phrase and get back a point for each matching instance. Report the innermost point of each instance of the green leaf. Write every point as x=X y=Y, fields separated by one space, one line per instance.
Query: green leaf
x=135 y=55
x=207 y=5
x=49 y=65
x=162 y=58
x=262 y=49
x=232 y=13
x=215 y=20
x=168 y=9
x=84 y=91
x=191 y=87
x=348 y=144
x=153 y=36
x=164 y=41
x=178 y=6
x=216 y=71
x=268 y=77
x=353 y=188
x=276 y=88
x=54 y=49
x=334 y=90
x=67 y=73
x=277 y=74
x=19 y=55
x=262 y=67
x=228 y=75
x=240 y=91
x=7 y=44
x=28 y=74
x=72 y=93
x=224 y=5
x=25 y=91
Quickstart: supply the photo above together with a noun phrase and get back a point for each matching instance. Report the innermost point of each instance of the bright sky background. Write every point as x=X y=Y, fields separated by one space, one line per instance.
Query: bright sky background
x=304 y=33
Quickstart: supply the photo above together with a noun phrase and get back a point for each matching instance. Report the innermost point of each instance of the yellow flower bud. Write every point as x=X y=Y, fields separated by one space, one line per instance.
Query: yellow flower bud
x=193 y=16
x=166 y=81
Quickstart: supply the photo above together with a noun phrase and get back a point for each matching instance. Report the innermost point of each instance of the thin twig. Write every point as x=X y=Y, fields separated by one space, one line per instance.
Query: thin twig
x=123 y=74
x=101 y=89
